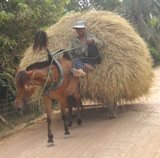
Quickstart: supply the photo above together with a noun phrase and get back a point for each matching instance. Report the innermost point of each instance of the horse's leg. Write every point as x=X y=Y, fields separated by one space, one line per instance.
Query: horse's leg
x=63 y=113
x=79 y=109
x=19 y=101
x=25 y=103
x=79 y=105
x=74 y=101
x=70 y=108
x=48 y=110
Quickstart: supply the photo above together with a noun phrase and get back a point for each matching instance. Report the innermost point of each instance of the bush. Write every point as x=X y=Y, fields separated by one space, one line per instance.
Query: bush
x=155 y=55
x=19 y=20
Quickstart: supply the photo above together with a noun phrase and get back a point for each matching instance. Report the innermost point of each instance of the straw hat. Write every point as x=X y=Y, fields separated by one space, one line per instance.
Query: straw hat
x=79 y=25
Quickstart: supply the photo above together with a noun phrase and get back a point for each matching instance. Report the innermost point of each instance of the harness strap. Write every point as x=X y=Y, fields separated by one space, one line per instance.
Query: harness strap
x=49 y=74
x=47 y=88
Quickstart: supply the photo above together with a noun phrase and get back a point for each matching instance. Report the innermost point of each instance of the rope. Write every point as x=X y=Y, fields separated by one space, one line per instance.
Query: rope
x=47 y=77
x=54 y=54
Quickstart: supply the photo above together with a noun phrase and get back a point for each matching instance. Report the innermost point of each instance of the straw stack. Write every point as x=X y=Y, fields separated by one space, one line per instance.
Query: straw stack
x=125 y=73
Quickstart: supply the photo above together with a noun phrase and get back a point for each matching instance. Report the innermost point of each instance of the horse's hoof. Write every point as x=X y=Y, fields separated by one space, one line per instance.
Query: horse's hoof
x=79 y=121
x=66 y=135
x=50 y=144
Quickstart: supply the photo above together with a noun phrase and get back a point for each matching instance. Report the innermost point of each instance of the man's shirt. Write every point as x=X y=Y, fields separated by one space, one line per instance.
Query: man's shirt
x=82 y=47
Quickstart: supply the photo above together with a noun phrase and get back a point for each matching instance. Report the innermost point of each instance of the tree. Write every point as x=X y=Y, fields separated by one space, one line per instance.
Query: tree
x=73 y=5
x=106 y=4
x=19 y=19
x=145 y=15
x=78 y=5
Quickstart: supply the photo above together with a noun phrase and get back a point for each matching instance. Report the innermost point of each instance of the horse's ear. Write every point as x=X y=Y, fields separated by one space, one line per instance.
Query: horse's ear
x=29 y=73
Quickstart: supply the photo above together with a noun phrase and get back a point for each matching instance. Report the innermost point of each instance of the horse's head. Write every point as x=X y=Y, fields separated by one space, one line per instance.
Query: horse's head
x=39 y=74
x=24 y=89
x=25 y=82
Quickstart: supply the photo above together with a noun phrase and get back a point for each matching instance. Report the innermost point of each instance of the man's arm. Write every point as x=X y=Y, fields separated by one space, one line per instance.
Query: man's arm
x=76 y=48
x=91 y=39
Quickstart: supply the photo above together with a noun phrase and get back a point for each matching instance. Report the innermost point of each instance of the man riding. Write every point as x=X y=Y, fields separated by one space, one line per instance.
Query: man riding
x=85 y=45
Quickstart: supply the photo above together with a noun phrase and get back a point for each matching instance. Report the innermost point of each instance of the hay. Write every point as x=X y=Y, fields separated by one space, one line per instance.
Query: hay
x=125 y=73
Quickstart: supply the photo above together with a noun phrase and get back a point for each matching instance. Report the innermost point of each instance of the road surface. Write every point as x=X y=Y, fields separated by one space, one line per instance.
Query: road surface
x=135 y=133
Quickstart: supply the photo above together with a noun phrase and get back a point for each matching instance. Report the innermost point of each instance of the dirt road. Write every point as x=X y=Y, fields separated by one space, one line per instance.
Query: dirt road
x=135 y=133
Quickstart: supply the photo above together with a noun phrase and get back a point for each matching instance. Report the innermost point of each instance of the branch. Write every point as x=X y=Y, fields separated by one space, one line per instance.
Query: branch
x=3 y=120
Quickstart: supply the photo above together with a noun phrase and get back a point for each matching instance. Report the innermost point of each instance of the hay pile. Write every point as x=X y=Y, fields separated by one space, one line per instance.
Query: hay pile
x=125 y=73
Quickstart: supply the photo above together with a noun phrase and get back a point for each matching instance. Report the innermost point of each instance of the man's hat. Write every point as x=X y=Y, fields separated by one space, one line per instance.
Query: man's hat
x=79 y=25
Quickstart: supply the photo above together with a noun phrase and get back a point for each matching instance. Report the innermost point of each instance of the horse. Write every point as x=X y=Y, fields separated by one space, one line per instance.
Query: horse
x=57 y=82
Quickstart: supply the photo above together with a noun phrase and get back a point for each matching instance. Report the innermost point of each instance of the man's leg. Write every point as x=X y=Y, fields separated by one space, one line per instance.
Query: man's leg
x=78 y=70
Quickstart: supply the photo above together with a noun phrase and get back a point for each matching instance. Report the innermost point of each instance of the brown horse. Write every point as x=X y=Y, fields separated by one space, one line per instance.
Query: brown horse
x=57 y=83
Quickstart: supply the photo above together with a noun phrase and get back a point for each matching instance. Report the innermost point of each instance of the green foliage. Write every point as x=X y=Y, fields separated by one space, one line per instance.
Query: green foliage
x=145 y=15
x=106 y=4
x=155 y=55
x=73 y=5
x=4 y=17
x=7 y=89
x=19 y=20
x=154 y=22
x=78 y=5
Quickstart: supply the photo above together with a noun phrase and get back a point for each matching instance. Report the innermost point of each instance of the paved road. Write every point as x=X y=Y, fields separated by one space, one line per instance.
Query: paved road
x=135 y=133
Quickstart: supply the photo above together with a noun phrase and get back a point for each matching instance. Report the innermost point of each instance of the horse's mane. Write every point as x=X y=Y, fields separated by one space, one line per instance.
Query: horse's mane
x=20 y=78
x=38 y=65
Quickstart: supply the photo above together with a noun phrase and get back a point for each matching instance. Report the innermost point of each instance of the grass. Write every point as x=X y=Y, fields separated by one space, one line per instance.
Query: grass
x=16 y=121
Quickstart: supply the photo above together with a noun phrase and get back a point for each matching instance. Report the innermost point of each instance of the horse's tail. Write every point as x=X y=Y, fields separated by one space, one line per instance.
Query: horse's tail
x=40 y=41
